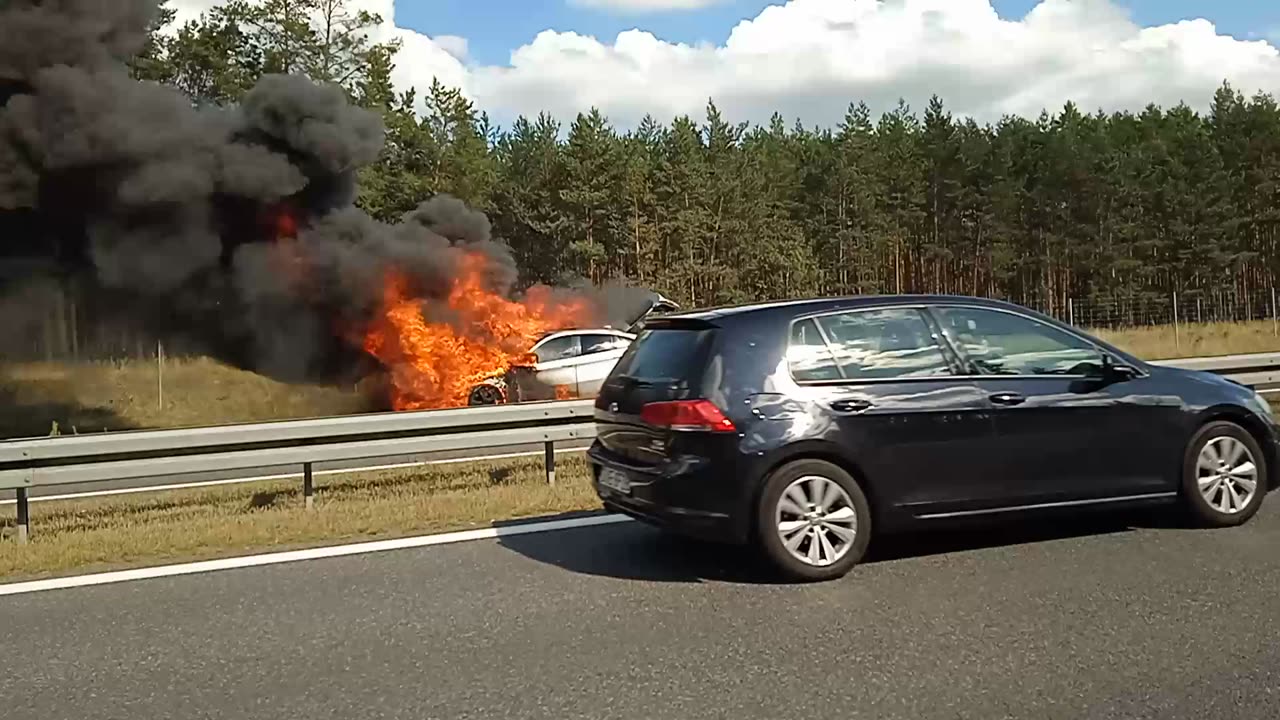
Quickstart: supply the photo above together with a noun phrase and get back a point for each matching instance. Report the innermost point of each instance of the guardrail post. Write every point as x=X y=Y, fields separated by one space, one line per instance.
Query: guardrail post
x=24 y=516
x=549 y=459
x=308 y=486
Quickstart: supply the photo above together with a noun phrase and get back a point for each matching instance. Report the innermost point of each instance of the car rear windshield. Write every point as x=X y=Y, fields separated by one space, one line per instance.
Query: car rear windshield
x=666 y=353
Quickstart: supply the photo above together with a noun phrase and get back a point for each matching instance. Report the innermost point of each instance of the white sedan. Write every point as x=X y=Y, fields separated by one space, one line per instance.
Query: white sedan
x=569 y=364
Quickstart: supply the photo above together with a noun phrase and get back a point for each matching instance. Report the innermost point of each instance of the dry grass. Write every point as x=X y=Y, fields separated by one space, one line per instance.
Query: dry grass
x=1195 y=340
x=136 y=530
x=92 y=397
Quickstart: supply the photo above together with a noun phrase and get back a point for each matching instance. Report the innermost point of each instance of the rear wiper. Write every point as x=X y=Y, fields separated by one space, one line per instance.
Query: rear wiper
x=635 y=382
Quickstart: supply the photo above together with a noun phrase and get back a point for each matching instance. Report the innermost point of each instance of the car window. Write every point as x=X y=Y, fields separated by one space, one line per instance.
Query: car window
x=884 y=344
x=664 y=353
x=565 y=346
x=808 y=355
x=603 y=343
x=1001 y=343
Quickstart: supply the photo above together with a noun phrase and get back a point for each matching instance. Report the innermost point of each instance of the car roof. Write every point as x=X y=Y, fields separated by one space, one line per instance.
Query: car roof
x=586 y=331
x=811 y=306
x=804 y=306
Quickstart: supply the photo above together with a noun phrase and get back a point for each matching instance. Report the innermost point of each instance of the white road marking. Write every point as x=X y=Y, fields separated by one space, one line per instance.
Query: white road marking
x=284 y=476
x=311 y=554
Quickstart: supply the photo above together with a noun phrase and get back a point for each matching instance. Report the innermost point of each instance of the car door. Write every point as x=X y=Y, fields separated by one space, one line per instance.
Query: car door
x=889 y=388
x=600 y=352
x=557 y=370
x=1067 y=429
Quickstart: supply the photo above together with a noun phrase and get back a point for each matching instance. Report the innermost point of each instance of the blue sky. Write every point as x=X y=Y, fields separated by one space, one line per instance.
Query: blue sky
x=491 y=41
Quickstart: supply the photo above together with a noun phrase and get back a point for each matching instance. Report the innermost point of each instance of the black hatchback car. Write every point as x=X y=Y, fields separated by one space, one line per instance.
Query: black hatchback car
x=804 y=426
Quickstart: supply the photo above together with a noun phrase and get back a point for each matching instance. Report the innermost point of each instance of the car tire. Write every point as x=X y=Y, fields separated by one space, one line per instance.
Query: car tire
x=1215 y=479
x=486 y=394
x=835 y=525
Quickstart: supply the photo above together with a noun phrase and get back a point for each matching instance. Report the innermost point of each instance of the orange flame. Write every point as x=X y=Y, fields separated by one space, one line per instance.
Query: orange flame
x=285 y=222
x=435 y=363
x=286 y=255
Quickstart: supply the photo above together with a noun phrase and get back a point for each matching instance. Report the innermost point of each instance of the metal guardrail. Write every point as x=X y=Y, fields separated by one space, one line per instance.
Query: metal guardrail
x=1258 y=370
x=1226 y=364
x=129 y=455
x=68 y=460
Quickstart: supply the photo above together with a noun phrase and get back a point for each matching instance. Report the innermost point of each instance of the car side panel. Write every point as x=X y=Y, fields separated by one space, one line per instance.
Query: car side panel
x=559 y=373
x=1205 y=397
x=917 y=445
x=593 y=369
x=919 y=442
x=1081 y=438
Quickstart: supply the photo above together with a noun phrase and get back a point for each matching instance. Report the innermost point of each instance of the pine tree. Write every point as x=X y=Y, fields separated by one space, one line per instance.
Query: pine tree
x=683 y=189
x=527 y=205
x=459 y=137
x=641 y=155
x=592 y=197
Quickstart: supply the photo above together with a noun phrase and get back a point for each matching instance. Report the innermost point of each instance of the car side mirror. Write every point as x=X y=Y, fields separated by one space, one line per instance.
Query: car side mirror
x=1120 y=371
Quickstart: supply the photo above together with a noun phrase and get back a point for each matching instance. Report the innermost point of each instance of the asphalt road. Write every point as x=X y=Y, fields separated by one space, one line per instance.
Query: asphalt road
x=1120 y=616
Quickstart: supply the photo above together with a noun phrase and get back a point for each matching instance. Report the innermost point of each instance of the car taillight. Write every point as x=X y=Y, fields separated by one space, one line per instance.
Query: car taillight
x=687 y=415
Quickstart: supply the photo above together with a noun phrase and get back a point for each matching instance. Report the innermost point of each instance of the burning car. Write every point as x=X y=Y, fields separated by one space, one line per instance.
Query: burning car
x=565 y=364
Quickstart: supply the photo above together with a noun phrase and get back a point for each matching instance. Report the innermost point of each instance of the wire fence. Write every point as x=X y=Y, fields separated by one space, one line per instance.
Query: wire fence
x=1181 y=324
x=1172 y=309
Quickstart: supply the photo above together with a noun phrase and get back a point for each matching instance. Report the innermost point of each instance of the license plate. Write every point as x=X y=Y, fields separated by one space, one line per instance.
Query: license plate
x=615 y=480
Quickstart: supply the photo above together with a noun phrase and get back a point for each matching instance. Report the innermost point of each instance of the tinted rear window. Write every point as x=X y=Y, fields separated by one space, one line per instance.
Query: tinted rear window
x=666 y=354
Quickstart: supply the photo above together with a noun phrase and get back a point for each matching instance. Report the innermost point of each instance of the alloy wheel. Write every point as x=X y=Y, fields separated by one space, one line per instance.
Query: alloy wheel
x=1226 y=474
x=816 y=520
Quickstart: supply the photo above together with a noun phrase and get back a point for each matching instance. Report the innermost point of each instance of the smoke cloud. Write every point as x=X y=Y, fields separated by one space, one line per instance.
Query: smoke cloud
x=174 y=211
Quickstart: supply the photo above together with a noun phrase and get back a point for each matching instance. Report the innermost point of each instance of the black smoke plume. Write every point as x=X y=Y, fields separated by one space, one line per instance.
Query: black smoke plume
x=174 y=214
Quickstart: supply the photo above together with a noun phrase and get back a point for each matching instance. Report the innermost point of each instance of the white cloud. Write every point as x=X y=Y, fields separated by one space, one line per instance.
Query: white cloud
x=188 y=10
x=646 y=5
x=456 y=46
x=421 y=58
x=810 y=58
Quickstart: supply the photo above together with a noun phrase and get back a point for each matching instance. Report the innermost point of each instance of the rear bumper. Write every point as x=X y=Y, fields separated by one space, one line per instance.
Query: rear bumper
x=693 y=523
x=693 y=502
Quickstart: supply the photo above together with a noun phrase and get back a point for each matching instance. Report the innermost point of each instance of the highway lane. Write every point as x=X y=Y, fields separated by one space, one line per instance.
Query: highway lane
x=1115 y=616
x=276 y=472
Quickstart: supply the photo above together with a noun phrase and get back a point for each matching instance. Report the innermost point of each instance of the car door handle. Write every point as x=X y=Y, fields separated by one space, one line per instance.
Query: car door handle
x=1008 y=398
x=851 y=406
